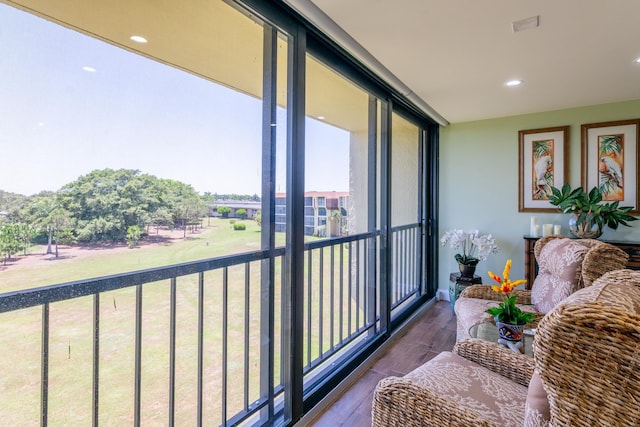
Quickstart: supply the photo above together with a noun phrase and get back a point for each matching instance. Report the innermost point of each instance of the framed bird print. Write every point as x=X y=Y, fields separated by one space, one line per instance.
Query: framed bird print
x=610 y=158
x=543 y=163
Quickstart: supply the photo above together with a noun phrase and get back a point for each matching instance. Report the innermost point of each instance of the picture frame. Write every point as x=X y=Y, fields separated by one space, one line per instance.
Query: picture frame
x=543 y=163
x=610 y=154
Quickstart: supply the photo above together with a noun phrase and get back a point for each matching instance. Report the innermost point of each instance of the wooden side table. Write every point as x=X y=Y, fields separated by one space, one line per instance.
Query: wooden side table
x=531 y=265
x=458 y=283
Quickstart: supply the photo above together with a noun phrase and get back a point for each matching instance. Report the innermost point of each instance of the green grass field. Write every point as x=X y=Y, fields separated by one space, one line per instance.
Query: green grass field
x=70 y=341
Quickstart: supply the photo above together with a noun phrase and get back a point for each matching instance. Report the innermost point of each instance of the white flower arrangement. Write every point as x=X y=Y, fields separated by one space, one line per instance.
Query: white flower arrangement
x=474 y=246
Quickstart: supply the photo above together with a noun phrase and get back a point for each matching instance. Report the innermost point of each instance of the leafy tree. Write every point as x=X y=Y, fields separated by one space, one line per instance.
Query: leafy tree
x=161 y=217
x=25 y=234
x=46 y=213
x=187 y=206
x=105 y=203
x=207 y=197
x=11 y=204
x=134 y=233
x=242 y=213
x=258 y=218
x=224 y=211
x=9 y=240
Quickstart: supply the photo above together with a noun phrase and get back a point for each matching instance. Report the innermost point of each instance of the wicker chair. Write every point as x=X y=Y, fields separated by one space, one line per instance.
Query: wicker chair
x=587 y=371
x=597 y=258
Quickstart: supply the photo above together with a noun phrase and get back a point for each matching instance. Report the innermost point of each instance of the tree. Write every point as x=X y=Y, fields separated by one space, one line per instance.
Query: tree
x=224 y=211
x=133 y=236
x=46 y=213
x=258 y=218
x=24 y=234
x=12 y=204
x=187 y=206
x=161 y=217
x=106 y=202
x=60 y=222
x=242 y=213
x=15 y=237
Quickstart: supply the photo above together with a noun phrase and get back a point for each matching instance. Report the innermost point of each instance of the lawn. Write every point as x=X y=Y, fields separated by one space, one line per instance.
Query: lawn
x=70 y=341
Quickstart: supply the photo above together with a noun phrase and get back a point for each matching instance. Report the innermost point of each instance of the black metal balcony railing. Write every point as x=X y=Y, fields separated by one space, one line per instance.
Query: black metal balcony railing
x=211 y=355
x=407 y=270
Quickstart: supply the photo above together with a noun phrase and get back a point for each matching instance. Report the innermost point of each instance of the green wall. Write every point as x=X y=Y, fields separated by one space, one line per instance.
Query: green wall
x=479 y=182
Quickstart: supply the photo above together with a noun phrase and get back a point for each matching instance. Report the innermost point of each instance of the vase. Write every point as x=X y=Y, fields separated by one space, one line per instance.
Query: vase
x=467 y=270
x=509 y=331
x=584 y=230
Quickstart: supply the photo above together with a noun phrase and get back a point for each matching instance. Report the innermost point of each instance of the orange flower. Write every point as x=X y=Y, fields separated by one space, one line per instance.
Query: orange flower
x=507 y=269
x=506 y=285
x=507 y=311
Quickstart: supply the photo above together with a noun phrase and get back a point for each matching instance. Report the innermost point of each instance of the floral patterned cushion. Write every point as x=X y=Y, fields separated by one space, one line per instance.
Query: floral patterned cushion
x=474 y=388
x=560 y=273
x=536 y=409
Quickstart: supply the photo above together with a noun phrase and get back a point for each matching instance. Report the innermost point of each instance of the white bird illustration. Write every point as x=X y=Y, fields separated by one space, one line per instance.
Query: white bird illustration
x=612 y=169
x=542 y=166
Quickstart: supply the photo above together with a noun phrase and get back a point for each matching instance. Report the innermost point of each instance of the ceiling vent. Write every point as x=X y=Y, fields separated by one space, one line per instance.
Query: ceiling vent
x=525 y=24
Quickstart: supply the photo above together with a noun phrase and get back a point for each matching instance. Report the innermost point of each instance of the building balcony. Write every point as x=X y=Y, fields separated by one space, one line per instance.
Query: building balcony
x=203 y=342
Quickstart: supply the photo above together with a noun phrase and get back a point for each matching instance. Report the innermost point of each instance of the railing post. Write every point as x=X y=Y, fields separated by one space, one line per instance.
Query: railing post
x=44 y=382
x=96 y=358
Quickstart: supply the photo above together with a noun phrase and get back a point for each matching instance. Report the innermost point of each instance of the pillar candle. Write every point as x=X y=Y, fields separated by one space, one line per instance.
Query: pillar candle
x=536 y=231
x=547 y=229
x=556 y=228
x=532 y=227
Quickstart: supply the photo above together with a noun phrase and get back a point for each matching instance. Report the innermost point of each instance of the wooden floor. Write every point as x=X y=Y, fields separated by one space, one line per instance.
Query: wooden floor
x=433 y=332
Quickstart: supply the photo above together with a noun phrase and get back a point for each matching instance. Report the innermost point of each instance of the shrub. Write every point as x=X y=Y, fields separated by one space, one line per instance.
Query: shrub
x=239 y=226
x=232 y=221
x=134 y=233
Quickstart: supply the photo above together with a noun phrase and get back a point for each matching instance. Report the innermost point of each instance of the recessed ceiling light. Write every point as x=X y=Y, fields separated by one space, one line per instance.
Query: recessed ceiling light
x=138 y=39
x=320 y=117
x=89 y=69
x=513 y=83
x=637 y=60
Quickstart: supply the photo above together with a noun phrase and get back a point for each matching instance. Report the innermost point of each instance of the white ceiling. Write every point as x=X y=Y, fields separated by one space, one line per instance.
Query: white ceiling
x=457 y=54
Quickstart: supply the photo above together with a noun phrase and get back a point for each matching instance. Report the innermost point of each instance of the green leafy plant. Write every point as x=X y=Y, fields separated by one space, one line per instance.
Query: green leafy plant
x=134 y=232
x=239 y=226
x=507 y=311
x=588 y=209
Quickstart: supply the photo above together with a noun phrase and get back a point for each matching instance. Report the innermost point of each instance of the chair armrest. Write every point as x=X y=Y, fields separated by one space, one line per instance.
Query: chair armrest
x=600 y=259
x=480 y=292
x=401 y=402
x=515 y=366
x=485 y=292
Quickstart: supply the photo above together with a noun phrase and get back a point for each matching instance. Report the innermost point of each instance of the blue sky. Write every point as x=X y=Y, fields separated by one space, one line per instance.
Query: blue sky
x=58 y=121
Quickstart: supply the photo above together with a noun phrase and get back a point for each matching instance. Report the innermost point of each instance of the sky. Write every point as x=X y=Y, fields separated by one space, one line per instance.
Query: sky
x=59 y=121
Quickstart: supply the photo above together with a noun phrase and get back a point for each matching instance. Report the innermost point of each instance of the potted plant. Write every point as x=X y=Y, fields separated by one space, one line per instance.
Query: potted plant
x=509 y=318
x=474 y=247
x=589 y=214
